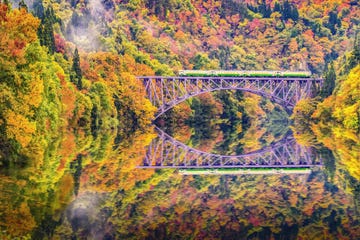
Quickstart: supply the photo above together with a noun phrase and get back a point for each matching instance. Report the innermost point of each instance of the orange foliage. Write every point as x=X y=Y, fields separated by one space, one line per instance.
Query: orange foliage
x=19 y=128
x=68 y=145
x=68 y=98
x=17 y=29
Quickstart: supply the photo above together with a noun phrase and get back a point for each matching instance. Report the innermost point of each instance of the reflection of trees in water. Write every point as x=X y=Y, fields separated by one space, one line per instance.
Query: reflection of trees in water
x=329 y=162
x=229 y=139
x=228 y=121
x=230 y=143
x=34 y=197
x=246 y=207
x=76 y=167
x=117 y=201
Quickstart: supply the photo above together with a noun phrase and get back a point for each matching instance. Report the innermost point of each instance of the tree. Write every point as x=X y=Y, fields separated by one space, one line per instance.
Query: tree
x=46 y=36
x=277 y=7
x=38 y=9
x=46 y=30
x=23 y=5
x=76 y=76
x=329 y=82
x=354 y=58
x=76 y=168
x=286 y=10
x=202 y=61
x=295 y=14
x=6 y=2
x=264 y=9
x=223 y=54
x=333 y=21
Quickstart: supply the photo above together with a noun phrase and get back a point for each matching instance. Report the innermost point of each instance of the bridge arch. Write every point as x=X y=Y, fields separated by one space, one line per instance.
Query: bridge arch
x=166 y=92
x=172 y=104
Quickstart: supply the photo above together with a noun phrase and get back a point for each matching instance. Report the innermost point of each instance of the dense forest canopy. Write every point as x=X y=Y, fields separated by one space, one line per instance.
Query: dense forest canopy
x=74 y=119
x=71 y=64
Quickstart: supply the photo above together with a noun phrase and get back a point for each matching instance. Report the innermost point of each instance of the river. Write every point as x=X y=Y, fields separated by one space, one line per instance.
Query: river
x=104 y=186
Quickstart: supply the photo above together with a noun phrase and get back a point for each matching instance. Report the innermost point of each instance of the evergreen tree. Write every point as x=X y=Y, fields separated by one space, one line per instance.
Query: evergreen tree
x=295 y=14
x=329 y=162
x=329 y=82
x=76 y=169
x=73 y=3
x=76 y=76
x=7 y=3
x=46 y=35
x=277 y=7
x=264 y=9
x=333 y=20
x=354 y=58
x=38 y=9
x=23 y=5
x=46 y=30
x=223 y=54
x=230 y=7
x=286 y=10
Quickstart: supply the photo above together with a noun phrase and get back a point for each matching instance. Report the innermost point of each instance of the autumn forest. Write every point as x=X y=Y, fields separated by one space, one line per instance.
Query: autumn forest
x=75 y=121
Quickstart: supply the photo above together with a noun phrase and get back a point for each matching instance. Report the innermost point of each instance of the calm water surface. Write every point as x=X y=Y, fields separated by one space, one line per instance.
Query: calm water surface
x=98 y=187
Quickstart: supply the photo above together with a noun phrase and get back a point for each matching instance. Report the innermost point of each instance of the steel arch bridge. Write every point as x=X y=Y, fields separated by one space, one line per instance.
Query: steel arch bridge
x=166 y=92
x=166 y=152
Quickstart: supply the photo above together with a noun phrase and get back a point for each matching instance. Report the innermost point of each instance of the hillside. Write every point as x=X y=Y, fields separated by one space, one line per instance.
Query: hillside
x=74 y=121
x=296 y=35
x=91 y=51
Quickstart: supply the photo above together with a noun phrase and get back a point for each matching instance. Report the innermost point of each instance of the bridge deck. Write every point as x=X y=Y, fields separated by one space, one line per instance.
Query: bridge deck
x=229 y=78
x=240 y=167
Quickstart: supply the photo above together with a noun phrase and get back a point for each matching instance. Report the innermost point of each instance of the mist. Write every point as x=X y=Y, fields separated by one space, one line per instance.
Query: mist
x=88 y=24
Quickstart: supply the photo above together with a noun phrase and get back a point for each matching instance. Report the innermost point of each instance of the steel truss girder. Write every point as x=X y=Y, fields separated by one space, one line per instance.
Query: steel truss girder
x=166 y=92
x=166 y=152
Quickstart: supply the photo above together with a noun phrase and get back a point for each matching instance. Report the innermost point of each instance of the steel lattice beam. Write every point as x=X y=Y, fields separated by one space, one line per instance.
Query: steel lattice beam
x=166 y=92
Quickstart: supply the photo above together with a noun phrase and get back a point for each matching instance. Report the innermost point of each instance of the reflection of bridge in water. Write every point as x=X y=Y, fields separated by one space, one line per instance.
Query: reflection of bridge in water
x=284 y=156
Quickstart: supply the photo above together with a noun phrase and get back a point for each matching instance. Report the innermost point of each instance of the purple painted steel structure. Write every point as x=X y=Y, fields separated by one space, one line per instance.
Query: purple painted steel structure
x=166 y=152
x=166 y=92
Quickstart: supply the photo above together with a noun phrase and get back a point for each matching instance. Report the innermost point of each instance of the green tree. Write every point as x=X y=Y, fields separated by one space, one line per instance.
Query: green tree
x=6 y=2
x=22 y=4
x=329 y=82
x=329 y=162
x=223 y=54
x=46 y=36
x=277 y=7
x=295 y=14
x=38 y=9
x=76 y=167
x=354 y=58
x=202 y=61
x=76 y=76
x=286 y=10
x=332 y=22
x=46 y=29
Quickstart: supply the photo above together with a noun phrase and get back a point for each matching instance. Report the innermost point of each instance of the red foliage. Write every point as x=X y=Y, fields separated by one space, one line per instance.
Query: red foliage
x=3 y=11
x=309 y=33
x=59 y=44
x=17 y=29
